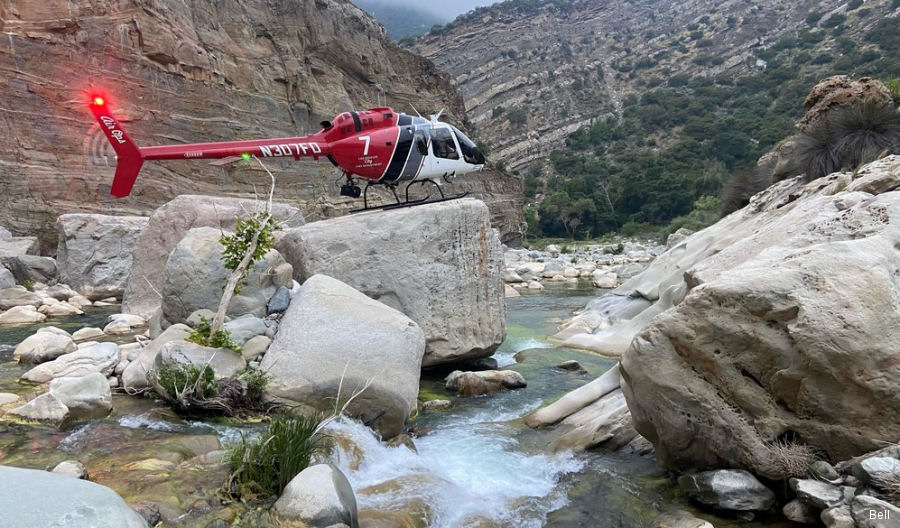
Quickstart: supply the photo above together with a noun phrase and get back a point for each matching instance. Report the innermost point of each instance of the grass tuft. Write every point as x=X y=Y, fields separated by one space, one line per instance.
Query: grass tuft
x=846 y=138
x=791 y=459
x=261 y=469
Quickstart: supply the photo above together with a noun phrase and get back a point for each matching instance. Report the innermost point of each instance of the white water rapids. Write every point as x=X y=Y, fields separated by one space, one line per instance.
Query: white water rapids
x=465 y=472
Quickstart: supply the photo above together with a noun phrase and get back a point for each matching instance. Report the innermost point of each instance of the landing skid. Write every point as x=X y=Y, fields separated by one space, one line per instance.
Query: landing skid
x=407 y=202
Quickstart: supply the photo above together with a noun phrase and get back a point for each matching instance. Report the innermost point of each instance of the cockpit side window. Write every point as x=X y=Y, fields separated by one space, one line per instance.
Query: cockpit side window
x=443 y=144
x=471 y=152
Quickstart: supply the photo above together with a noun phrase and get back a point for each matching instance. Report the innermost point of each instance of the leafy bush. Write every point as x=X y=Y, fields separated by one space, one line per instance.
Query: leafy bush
x=704 y=214
x=261 y=469
x=28 y=284
x=635 y=229
x=618 y=249
x=239 y=242
x=256 y=381
x=220 y=339
x=833 y=21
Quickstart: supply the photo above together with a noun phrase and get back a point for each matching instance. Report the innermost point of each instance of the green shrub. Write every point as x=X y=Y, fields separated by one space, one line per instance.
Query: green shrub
x=178 y=379
x=617 y=250
x=256 y=381
x=28 y=284
x=834 y=21
x=221 y=339
x=893 y=85
x=244 y=230
x=261 y=469
x=704 y=214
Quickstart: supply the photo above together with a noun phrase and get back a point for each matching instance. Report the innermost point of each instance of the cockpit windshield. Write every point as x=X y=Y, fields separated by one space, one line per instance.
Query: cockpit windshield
x=470 y=151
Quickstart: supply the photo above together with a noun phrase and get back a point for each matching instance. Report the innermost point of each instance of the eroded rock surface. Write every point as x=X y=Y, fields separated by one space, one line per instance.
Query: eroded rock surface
x=440 y=264
x=332 y=337
x=789 y=302
x=94 y=254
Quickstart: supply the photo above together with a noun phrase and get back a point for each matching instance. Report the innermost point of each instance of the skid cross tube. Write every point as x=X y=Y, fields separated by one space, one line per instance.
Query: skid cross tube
x=407 y=203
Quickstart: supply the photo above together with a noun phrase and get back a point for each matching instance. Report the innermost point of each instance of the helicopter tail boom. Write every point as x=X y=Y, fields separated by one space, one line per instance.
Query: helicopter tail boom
x=128 y=154
x=130 y=157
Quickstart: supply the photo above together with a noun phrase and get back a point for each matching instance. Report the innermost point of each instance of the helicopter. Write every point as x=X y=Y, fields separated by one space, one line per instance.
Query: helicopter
x=377 y=146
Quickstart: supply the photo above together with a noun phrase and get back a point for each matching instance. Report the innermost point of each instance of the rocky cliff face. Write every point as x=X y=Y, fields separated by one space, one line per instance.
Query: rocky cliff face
x=532 y=73
x=187 y=72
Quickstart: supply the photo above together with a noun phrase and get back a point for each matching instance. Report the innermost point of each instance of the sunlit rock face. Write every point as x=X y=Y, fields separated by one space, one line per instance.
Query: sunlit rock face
x=177 y=72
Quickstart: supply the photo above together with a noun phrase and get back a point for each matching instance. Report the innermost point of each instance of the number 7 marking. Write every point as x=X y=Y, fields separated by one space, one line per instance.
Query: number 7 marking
x=367 y=139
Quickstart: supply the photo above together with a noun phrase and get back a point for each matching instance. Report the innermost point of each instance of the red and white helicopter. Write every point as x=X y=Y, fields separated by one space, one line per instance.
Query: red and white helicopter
x=378 y=146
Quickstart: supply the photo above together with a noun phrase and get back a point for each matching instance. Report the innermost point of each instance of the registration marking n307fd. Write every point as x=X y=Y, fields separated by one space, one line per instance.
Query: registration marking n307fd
x=290 y=149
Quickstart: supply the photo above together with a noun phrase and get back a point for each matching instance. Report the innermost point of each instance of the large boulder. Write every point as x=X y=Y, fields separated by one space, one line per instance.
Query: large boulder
x=32 y=268
x=31 y=498
x=43 y=346
x=86 y=396
x=842 y=91
x=18 y=296
x=321 y=497
x=440 y=264
x=330 y=332
x=45 y=408
x=483 y=382
x=168 y=225
x=22 y=315
x=869 y=512
x=224 y=363
x=195 y=276
x=94 y=254
x=787 y=329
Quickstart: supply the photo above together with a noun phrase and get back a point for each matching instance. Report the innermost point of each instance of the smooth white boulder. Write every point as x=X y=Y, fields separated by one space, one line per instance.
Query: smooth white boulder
x=320 y=496
x=332 y=331
x=99 y=357
x=43 y=346
x=32 y=498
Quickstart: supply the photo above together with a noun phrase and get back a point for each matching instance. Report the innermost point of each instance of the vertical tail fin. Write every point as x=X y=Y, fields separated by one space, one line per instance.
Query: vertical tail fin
x=128 y=154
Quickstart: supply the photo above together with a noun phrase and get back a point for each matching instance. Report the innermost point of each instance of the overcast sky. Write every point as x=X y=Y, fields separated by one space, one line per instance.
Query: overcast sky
x=448 y=9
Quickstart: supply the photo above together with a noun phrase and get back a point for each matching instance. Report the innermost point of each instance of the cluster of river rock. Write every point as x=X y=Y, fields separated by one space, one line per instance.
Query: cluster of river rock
x=382 y=296
x=751 y=353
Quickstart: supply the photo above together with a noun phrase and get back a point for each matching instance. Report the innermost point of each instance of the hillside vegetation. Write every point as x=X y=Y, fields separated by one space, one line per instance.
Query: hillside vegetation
x=400 y=21
x=651 y=118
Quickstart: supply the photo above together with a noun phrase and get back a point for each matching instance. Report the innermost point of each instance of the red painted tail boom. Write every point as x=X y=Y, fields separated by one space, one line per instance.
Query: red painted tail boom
x=130 y=157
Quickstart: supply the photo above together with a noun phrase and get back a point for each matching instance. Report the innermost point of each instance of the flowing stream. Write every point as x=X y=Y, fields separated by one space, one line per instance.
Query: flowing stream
x=474 y=465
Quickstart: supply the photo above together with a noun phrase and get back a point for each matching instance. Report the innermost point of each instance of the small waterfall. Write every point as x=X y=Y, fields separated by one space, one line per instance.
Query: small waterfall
x=465 y=473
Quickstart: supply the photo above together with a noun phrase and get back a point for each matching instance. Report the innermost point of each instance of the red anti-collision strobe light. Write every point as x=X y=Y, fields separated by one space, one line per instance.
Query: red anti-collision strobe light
x=99 y=101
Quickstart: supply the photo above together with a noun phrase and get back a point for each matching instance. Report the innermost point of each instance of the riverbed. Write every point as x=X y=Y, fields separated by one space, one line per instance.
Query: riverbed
x=474 y=465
